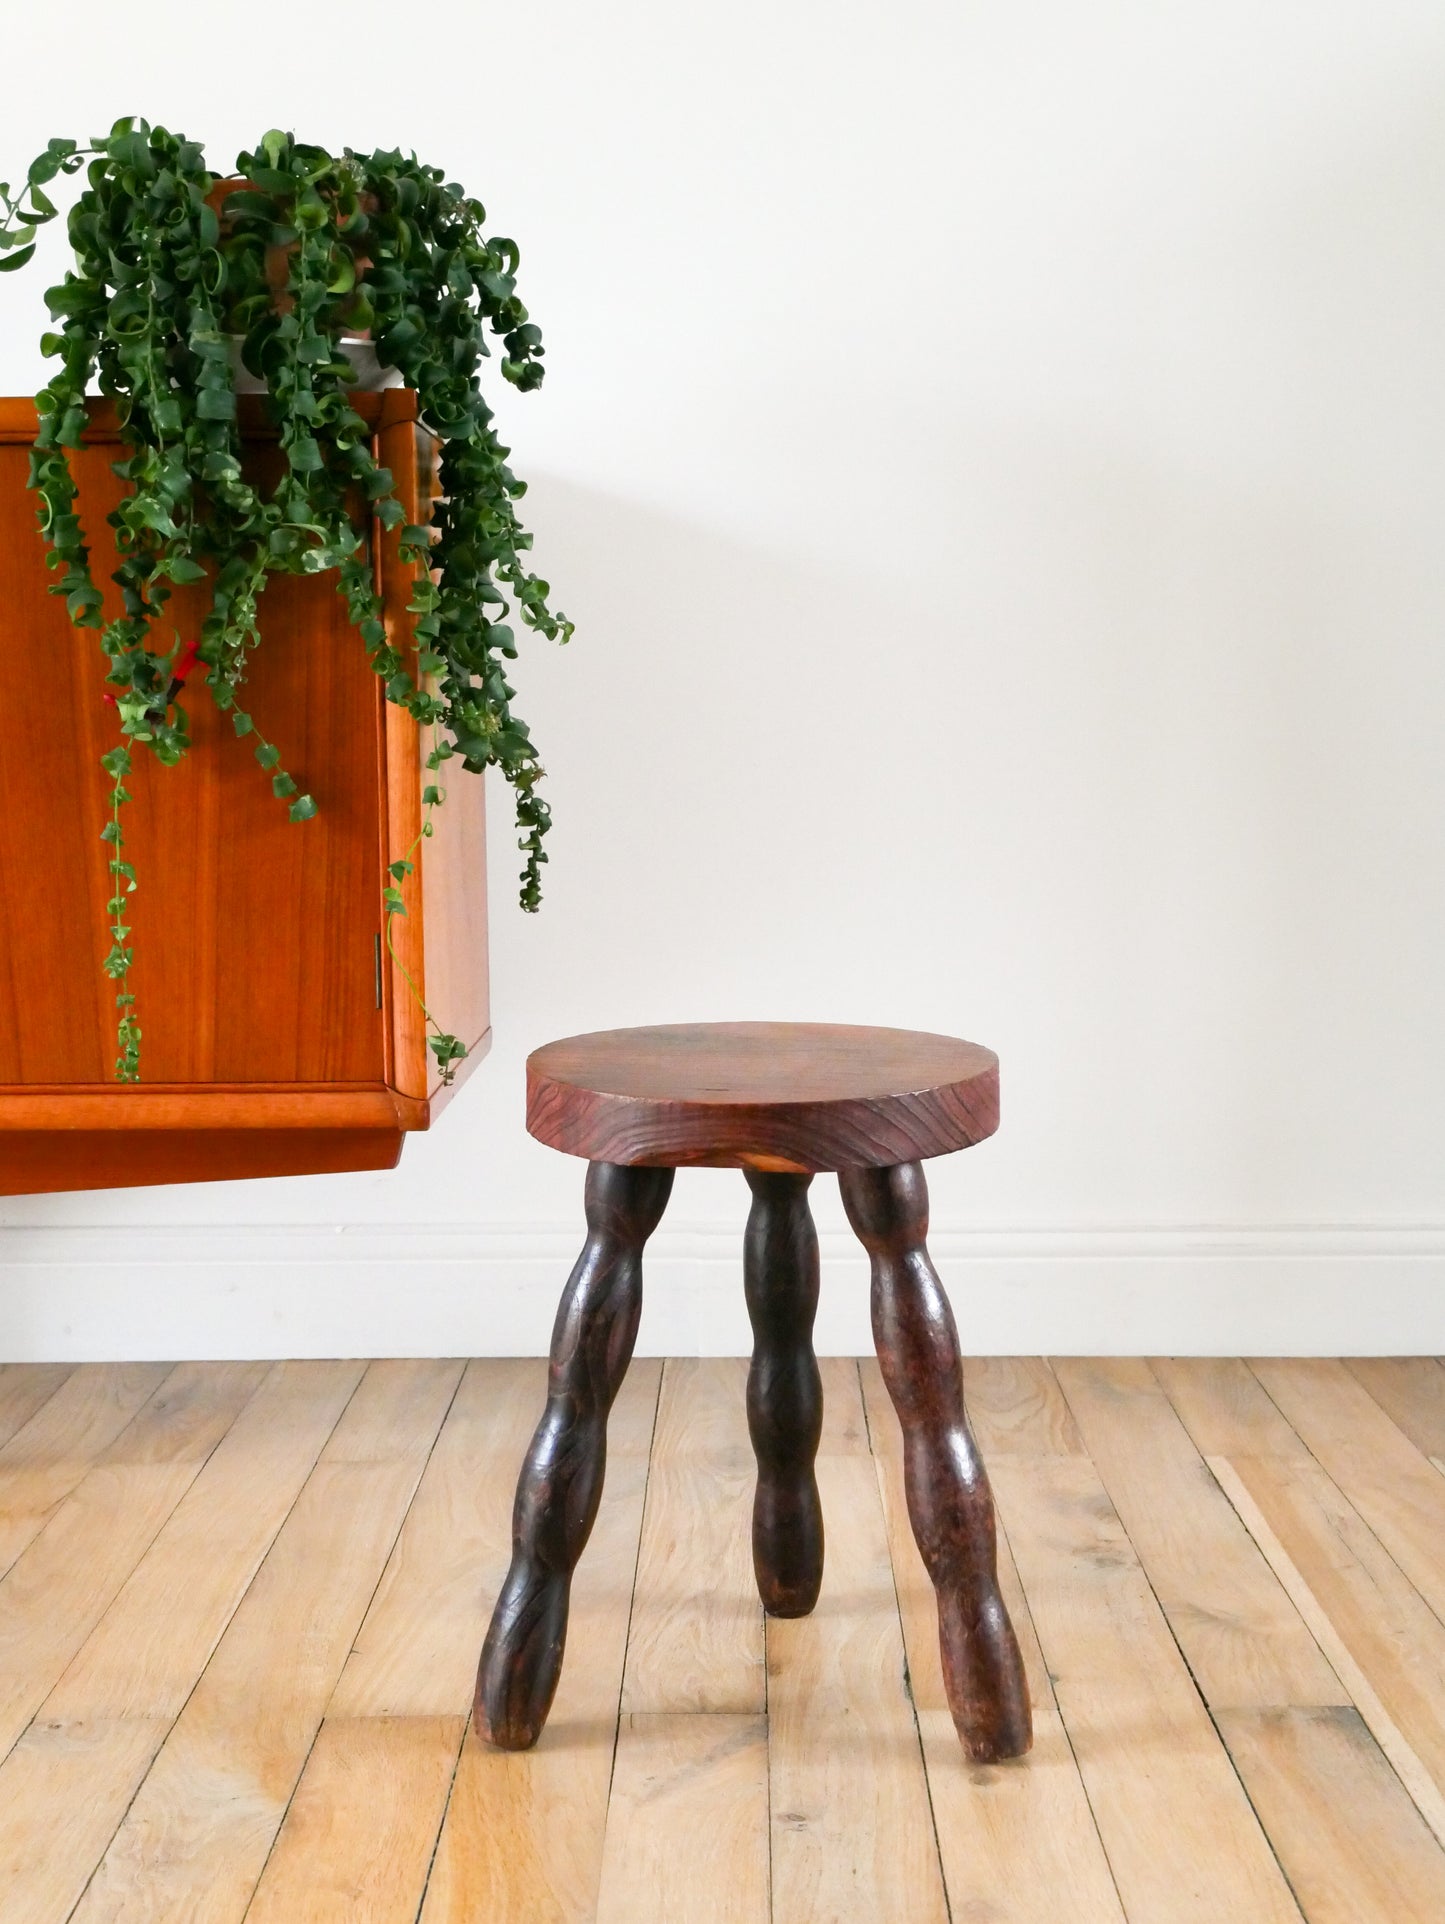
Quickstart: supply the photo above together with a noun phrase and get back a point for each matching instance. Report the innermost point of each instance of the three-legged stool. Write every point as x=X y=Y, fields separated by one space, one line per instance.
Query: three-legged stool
x=781 y=1101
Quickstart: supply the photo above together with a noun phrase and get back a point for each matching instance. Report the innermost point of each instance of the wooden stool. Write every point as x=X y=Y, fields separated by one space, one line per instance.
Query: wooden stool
x=780 y=1101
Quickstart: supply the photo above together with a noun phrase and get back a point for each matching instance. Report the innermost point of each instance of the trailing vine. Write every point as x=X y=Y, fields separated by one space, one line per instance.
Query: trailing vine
x=447 y=1049
x=303 y=249
x=116 y=764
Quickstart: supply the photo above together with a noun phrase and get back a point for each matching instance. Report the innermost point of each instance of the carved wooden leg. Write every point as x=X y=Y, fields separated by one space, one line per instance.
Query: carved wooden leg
x=949 y=1501
x=561 y=1481
x=785 y=1392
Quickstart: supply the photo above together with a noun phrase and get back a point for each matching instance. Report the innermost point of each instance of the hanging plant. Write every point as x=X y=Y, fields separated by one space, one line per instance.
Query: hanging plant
x=174 y=267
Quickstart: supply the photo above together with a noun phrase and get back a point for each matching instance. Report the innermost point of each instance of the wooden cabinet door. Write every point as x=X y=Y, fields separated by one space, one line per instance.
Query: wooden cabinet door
x=255 y=938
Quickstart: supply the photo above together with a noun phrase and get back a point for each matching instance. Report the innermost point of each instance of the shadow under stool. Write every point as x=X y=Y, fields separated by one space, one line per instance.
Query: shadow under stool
x=782 y=1102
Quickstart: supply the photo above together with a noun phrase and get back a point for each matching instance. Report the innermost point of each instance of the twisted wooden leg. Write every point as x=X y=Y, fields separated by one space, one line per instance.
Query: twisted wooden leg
x=785 y=1392
x=561 y=1481
x=949 y=1502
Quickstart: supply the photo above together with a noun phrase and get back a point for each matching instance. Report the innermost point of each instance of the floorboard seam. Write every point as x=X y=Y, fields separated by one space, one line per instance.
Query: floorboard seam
x=134 y=1416
x=436 y=1842
x=1183 y=1656
x=878 y=1474
x=627 y=1635
x=99 y=1623
x=360 y=1621
x=1388 y=1415
x=1325 y=1471
x=260 y=1565
x=1058 y=1709
x=41 y=1405
x=1395 y=1747
x=768 y=1739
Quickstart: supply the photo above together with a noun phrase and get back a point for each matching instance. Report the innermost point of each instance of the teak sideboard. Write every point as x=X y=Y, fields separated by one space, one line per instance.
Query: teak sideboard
x=278 y=1038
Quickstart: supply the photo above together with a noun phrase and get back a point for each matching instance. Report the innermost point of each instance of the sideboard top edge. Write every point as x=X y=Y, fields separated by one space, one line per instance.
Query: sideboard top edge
x=388 y=407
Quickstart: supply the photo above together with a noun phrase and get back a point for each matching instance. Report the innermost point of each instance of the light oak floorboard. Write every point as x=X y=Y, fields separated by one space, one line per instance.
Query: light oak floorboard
x=61 y=1585
x=852 y=1830
x=1226 y=1409
x=1411 y=1391
x=25 y=1388
x=1241 y=1635
x=157 y=1637
x=702 y=1410
x=1182 y=1841
x=251 y=1600
x=357 y=1842
x=696 y=1637
x=50 y=1837
x=397 y=1718
x=1396 y=1490
x=845 y=1428
x=196 y=1838
x=48 y=1455
x=416 y=1653
x=1353 y=1845
x=66 y=1785
x=1018 y=1840
x=1015 y=1406
x=524 y=1830
x=687 y=1822
x=1384 y=1642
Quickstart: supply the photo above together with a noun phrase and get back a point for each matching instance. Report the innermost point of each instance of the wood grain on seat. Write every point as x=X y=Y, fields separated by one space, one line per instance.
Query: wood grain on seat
x=799 y=1096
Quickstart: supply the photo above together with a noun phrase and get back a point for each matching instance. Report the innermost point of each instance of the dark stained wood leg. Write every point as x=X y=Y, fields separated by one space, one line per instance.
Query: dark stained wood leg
x=785 y=1392
x=949 y=1501
x=561 y=1481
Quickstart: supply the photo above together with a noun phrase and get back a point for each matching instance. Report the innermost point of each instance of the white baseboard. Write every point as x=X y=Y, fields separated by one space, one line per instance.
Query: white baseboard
x=78 y=1294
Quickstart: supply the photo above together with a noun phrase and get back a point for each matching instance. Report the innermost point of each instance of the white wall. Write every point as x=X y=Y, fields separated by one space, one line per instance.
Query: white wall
x=994 y=457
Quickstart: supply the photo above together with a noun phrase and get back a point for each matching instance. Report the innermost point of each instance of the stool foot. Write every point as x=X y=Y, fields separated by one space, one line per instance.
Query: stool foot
x=949 y=1502
x=561 y=1481
x=785 y=1392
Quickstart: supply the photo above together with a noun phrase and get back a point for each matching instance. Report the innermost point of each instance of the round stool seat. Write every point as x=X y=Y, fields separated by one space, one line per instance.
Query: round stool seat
x=788 y=1096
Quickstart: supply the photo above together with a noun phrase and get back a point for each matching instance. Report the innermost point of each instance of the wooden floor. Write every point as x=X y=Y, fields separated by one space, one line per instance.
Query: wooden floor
x=241 y=1606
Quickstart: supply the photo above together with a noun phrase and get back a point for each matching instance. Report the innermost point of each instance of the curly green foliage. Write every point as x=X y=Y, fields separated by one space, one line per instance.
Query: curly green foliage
x=373 y=243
